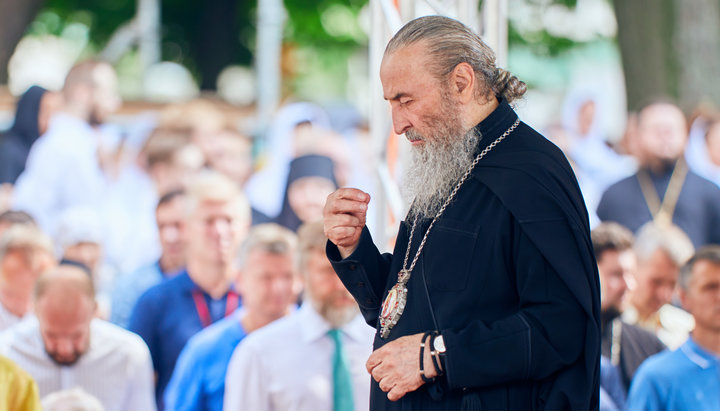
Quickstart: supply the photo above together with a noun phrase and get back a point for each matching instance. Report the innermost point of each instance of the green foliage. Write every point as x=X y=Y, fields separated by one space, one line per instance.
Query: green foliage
x=324 y=23
x=101 y=16
x=541 y=42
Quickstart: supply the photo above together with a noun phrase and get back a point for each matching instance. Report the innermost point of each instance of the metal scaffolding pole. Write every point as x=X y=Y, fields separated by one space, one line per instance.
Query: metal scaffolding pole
x=271 y=19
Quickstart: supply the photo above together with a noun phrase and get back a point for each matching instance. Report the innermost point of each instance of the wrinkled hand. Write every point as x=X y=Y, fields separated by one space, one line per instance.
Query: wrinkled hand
x=344 y=218
x=395 y=366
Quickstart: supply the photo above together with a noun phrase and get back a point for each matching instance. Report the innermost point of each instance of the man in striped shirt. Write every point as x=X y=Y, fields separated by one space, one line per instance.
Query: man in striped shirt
x=64 y=346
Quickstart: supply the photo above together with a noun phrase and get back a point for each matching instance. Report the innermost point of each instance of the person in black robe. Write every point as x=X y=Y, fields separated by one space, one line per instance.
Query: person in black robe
x=310 y=179
x=625 y=345
x=502 y=309
x=31 y=119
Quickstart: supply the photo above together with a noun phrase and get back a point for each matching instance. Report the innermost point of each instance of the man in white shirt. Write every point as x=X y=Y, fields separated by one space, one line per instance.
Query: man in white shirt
x=63 y=167
x=64 y=346
x=25 y=253
x=313 y=360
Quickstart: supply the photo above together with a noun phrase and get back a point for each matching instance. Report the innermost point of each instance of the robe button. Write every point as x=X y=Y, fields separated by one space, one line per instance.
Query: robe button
x=369 y=301
x=360 y=284
x=352 y=267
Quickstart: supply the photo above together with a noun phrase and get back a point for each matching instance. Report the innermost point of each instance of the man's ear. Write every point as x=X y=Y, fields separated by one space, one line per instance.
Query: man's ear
x=462 y=82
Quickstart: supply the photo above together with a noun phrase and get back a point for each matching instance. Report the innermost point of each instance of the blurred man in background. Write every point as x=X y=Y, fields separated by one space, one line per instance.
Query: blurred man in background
x=269 y=285
x=664 y=190
x=312 y=360
x=660 y=252
x=625 y=345
x=167 y=315
x=687 y=378
x=66 y=346
x=170 y=215
x=25 y=253
x=63 y=167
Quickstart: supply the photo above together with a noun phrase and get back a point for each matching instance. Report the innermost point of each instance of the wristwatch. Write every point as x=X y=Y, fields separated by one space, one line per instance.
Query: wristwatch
x=439 y=344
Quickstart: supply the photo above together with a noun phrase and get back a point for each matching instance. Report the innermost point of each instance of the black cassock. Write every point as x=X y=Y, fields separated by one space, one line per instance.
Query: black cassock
x=511 y=279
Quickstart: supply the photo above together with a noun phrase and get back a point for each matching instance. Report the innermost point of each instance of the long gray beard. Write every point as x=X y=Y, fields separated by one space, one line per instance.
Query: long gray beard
x=435 y=168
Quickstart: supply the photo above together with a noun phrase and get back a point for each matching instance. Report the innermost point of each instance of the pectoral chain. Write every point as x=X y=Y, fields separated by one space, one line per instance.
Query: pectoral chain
x=394 y=304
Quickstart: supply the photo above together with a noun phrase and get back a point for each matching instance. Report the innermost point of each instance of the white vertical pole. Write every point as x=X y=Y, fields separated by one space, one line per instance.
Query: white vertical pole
x=148 y=20
x=271 y=19
x=495 y=28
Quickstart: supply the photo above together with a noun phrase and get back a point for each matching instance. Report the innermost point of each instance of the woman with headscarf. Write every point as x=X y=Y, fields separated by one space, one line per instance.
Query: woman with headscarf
x=31 y=118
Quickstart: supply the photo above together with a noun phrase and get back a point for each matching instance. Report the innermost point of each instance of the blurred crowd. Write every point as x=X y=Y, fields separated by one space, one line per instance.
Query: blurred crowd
x=136 y=257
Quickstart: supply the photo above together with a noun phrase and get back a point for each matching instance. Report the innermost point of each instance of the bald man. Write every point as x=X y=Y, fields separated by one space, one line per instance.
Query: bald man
x=63 y=167
x=65 y=346
x=664 y=190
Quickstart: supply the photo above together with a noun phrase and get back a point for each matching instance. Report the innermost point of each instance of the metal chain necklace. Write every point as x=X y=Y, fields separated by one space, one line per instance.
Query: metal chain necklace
x=394 y=304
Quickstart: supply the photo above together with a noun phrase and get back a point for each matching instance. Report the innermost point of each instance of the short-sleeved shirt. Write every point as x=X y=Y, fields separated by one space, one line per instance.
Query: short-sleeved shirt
x=166 y=316
x=684 y=379
x=198 y=381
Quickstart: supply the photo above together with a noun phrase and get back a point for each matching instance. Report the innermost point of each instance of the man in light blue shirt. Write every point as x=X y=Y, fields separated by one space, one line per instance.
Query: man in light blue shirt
x=688 y=378
x=269 y=286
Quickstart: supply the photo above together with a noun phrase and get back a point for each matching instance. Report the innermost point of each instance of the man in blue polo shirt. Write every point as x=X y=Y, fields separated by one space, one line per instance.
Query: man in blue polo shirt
x=269 y=286
x=687 y=378
x=168 y=314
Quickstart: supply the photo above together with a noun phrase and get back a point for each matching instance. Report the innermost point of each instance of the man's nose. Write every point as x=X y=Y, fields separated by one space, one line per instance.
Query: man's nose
x=63 y=347
x=667 y=293
x=400 y=121
x=221 y=227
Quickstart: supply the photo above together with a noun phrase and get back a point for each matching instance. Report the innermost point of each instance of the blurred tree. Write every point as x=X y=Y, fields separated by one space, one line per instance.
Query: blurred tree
x=670 y=48
x=15 y=16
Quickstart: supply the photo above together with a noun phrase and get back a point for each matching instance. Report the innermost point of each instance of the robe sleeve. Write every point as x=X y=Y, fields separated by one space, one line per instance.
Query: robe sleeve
x=366 y=281
x=545 y=335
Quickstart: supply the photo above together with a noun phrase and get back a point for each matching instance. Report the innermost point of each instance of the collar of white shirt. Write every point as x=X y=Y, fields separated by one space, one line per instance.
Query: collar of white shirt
x=315 y=326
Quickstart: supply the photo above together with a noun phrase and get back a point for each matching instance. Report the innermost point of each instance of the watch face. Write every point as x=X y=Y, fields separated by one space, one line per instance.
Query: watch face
x=439 y=344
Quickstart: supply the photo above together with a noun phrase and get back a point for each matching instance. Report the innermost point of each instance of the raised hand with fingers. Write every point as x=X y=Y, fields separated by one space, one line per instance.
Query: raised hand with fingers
x=344 y=218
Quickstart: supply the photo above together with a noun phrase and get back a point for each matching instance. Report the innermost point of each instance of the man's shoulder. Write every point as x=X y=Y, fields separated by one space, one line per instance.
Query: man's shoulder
x=637 y=333
x=117 y=339
x=702 y=185
x=226 y=330
x=160 y=294
x=620 y=188
x=22 y=334
x=284 y=332
x=666 y=366
x=642 y=338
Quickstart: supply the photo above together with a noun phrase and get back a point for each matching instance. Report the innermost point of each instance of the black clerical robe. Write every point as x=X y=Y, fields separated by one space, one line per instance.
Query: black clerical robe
x=636 y=345
x=511 y=284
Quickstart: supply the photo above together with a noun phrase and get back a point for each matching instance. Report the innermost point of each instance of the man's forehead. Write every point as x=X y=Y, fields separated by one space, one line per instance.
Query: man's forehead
x=403 y=70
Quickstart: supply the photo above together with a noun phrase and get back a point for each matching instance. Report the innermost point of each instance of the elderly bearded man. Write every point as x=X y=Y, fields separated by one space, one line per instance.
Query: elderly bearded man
x=491 y=298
